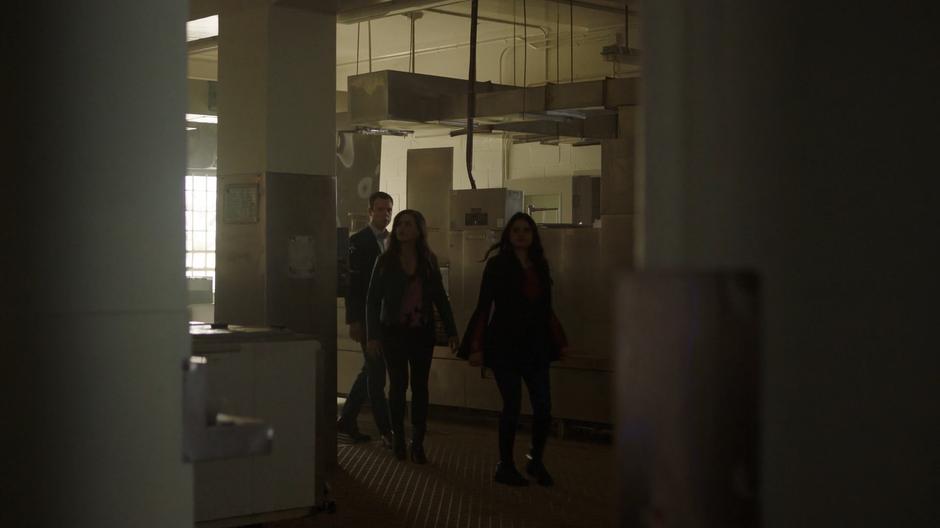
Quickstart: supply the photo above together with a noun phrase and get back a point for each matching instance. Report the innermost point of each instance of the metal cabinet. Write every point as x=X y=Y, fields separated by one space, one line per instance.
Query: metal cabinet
x=271 y=375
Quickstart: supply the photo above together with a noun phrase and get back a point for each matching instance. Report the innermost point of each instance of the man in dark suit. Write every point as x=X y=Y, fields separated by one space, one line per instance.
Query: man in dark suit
x=364 y=247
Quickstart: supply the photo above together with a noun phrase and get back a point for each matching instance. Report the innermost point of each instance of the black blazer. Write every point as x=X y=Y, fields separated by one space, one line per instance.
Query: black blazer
x=515 y=329
x=363 y=250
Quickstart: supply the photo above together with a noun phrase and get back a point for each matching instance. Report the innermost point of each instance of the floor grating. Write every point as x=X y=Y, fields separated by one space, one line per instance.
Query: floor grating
x=456 y=488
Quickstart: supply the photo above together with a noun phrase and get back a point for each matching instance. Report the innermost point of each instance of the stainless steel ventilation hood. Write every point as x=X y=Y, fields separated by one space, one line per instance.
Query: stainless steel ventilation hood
x=402 y=100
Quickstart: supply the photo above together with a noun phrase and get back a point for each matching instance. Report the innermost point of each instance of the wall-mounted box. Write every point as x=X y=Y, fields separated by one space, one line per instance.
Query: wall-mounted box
x=483 y=208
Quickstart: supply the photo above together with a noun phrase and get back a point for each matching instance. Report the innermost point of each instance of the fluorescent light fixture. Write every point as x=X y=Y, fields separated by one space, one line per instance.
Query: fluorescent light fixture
x=376 y=131
x=202 y=28
x=586 y=142
x=190 y=128
x=202 y=118
x=477 y=129
x=571 y=114
x=531 y=138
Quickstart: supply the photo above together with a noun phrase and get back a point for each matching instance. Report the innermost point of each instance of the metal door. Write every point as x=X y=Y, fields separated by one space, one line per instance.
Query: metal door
x=430 y=179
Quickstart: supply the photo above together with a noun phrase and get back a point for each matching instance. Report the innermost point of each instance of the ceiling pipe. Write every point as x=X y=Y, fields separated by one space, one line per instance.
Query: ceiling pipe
x=388 y=8
x=593 y=35
x=495 y=20
x=471 y=89
x=607 y=7
x=425 y=51
x=406 y=8
x=212 y=43
x=489 y=19
x=373 y=9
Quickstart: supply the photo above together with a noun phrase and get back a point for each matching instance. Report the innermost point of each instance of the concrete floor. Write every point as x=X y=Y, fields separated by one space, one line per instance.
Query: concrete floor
x=456 y=488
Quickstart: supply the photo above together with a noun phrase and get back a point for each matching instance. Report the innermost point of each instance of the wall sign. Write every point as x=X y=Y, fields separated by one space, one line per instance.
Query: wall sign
x=240 y=203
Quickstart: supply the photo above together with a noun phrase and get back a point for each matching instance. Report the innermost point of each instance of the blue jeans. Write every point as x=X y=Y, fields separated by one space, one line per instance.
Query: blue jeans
x=370 y=383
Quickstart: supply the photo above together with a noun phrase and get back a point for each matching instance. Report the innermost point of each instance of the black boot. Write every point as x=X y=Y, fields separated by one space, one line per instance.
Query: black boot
x=506 y=473
x=399 y=450
x=540 y=429
x=536 y=468
x=349 y=432
x=417 y=453
x=507 y=438
x=398 y=445
x=417 y=446
x=398 y=438
x=388 y=439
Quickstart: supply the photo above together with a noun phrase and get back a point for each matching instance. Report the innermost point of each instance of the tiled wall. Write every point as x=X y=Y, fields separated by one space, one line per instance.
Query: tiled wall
x=534 y=160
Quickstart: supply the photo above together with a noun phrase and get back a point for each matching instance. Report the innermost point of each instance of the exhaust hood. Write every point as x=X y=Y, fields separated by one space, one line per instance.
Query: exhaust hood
x=401 y=100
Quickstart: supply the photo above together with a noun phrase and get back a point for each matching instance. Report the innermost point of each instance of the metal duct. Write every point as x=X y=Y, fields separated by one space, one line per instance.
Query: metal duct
x=394 y=99
x=353 y=11
x=202 y=45
x=603 y=126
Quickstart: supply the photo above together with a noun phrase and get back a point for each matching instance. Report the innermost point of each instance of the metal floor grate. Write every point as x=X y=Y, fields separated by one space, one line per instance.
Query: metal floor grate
x=457 y=490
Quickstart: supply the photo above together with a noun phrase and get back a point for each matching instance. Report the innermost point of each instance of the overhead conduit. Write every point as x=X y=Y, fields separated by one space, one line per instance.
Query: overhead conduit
x=471 y=89
x=576 y=111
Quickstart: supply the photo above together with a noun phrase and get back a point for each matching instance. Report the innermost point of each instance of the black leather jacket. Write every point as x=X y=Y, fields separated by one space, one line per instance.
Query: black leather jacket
x=386 y=290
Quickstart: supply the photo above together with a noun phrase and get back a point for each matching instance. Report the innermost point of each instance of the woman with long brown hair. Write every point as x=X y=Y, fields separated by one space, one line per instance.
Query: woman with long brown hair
x=514 y=332
x=405 y=288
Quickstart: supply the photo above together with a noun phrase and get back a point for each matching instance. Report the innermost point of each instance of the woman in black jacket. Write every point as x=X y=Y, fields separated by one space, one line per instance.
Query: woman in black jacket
x=514 y=332
x=406 y=285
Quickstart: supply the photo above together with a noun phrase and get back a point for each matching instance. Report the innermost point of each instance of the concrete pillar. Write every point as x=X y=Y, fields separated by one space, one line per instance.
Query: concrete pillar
x=276 y=97
x=94 y=308
x=774 y=142
x=618 y=210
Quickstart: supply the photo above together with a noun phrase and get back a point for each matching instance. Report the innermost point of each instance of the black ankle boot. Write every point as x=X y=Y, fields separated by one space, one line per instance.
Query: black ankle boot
x=388 y=440
x=417 y=453
x=536 y=468
x=399 y=448
x=506 y=473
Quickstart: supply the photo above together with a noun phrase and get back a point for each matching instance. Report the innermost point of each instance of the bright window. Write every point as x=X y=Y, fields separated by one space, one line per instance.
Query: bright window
x=200 y=224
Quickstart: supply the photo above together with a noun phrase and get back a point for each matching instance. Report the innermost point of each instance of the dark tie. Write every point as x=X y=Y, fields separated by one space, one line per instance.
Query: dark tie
x=383 y=240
